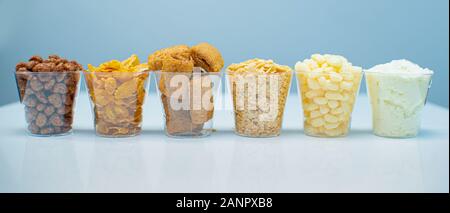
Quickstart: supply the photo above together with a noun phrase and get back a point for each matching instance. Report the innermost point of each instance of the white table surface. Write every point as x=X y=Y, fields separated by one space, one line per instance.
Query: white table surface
x=224 y=162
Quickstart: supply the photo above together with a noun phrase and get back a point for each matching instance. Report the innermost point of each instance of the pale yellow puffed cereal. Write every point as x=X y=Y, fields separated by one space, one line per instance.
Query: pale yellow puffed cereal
x=301 y=67
x=331 y=125
x=313 y=84
x=333 y=95
x=311 y=107
x=323 y=82
x=333 y=104
x=320 y=100
x=315 y=114
x=330 y=118
x=337 y=111
x=311 y=64
x=324 y=109
x=329 y=69
x=334 y=61
x=318 y=122
x=318 y=58
x=314 y=93
x=335 y=77
x=328 y=84
x=332 y=86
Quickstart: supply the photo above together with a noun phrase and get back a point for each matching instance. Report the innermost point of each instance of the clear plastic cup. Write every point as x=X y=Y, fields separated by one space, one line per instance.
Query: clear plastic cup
x=188 y=101
x=259 y=100
x=49 y=100
x=117 y=100
x=397 y=101
x=328 y=100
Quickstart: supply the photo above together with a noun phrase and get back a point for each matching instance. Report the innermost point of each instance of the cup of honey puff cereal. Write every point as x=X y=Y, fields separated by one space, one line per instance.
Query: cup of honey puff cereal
x=117 y=90
x=188 y=79
x=48 y=89
x=259 y=90
x=329 y=85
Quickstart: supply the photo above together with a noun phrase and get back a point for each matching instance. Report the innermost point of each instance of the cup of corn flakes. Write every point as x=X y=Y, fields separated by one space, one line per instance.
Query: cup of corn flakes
x=328 y=85
x=188 y=79
x=259 y=89
x=117 y=91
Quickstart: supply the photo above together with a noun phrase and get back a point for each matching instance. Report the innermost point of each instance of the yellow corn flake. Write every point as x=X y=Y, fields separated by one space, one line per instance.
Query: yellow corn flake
x=110 y=115
x=110 y=85
x=110 y=66
x=131 y=62
x=121 y=111
x=127 y=89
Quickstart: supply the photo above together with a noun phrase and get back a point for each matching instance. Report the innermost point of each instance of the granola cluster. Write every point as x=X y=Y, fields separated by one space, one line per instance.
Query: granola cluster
x=48 y=89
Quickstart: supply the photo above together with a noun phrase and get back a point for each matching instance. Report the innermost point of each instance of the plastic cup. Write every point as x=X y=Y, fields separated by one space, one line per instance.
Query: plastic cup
x=188 y=101
x=397 y=101
x=117 y=100
x=49 y=100
x=328 y=100
x=259 y=100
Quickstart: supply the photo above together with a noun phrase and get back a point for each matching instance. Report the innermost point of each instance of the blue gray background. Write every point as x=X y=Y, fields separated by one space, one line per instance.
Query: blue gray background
x=367 y=32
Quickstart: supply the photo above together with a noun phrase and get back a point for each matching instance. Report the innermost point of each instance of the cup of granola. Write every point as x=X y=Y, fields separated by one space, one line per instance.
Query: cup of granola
x=187 y=79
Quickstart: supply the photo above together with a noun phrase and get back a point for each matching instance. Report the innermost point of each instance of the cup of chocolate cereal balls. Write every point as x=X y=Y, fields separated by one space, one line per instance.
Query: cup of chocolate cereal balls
x=48 y=89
